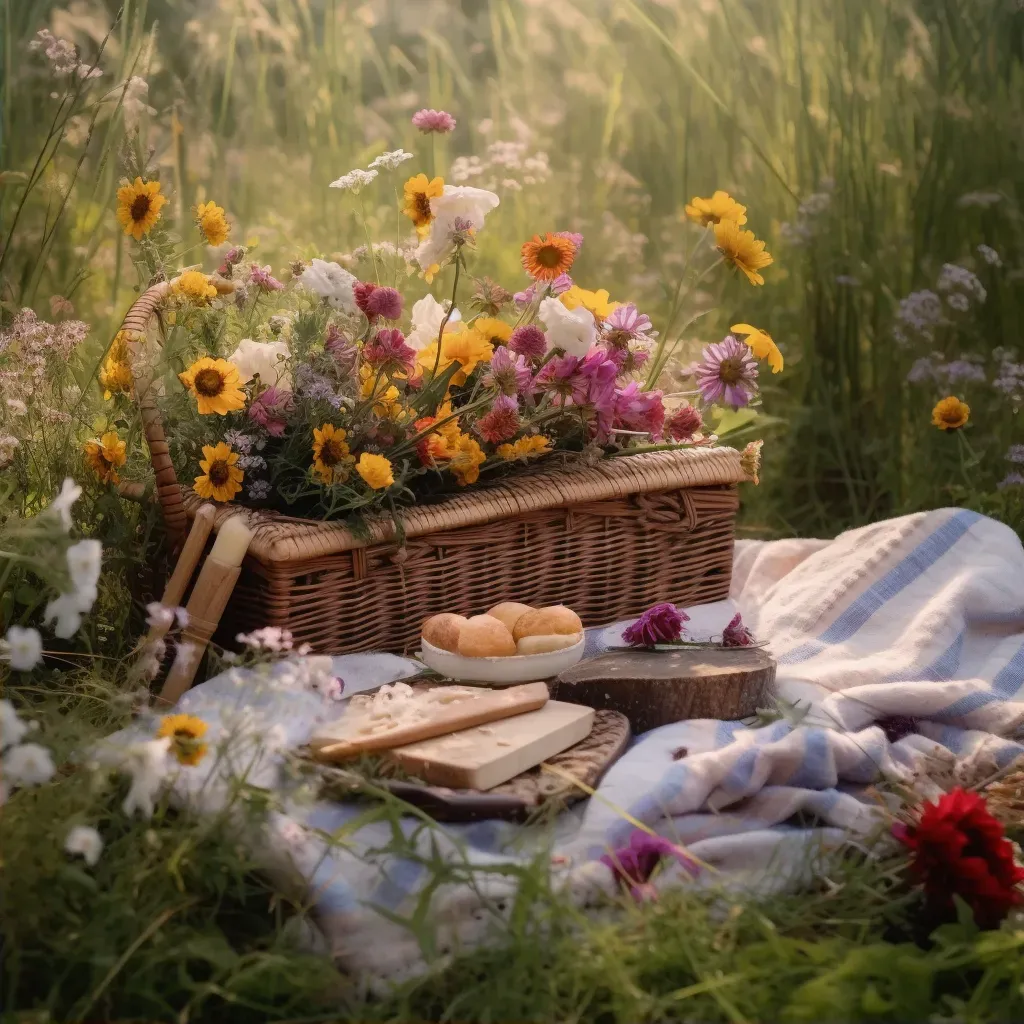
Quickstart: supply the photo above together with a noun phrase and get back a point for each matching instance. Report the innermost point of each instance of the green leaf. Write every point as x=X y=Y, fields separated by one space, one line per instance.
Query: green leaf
x=728 y=421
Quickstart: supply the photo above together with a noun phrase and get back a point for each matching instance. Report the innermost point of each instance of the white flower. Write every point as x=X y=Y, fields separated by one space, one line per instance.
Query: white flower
x=84 y=560
x=147 y=764
x=17 y=406
x=24 y=648
x=27 y=764
x=354 y=181
x=462 y=203
x=70 y=492
x=84 y=841
x=181 y=614
x=267 y=358
x=159 y=615
x=66 y=614
x=133 y=96
x=572 y=330
x=331 y=282
x=427 y=314
x=12 y=728
x=389 y=161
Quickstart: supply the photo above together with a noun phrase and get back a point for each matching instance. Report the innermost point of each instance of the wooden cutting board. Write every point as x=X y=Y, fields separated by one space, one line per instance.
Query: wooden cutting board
x=488 y=755
x=363 y=728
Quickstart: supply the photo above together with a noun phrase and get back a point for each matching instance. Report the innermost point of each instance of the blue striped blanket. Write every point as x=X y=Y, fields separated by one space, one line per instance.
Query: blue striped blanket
x=918 y=618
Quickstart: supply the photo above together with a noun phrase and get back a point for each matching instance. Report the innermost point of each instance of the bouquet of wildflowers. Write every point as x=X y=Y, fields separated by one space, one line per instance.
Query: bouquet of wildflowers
x=348 y=385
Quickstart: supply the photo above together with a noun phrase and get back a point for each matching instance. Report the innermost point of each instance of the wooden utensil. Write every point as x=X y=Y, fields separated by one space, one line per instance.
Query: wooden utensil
x=484 y=757
x=489 y=707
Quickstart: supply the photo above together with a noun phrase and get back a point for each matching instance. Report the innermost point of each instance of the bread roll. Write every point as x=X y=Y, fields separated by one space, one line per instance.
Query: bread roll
x=443 y=630
x=510 y=613
x=546 y=644
x=545 y=621
x=484 y=636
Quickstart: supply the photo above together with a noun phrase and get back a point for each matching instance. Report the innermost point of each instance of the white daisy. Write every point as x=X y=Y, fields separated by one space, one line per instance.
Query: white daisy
x=84 y=841
x=24 y=648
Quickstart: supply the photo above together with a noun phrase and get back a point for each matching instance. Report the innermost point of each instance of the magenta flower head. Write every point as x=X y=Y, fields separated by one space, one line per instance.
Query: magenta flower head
x=636 y=409
x=661 y=624
x=562 y=377
x=527 y=295
x=270 y=410
x=627 y=324
x=386 y=303
x=728 y=372
x=437 y=121
x=341 y=349
x=262 y=278
x=633 y=865
x=501 y=422
x=601 y=371
x=388 y=348
x=736 y=634
x=574 y=237
x=561 y=284
x=509 y=373
x=684 y=423
x=529 y=341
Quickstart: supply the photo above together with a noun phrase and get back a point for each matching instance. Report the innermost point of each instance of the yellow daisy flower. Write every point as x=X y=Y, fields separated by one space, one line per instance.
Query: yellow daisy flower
x=721 y=206
x=221 y=478
x=186 y=733
x=212 y=223
x=375 y=470
x=138 y=206
x=216 y=384
x=742 y=249
x=379 y=388
x=417 y=193
x=525 y=448
x=104 y=455
x=332 y=457
x=466 y=460
x=761 y=344
x=950 y=413
x=497 y=332
x=466 y=347
x=597 y=302
x=193 y=286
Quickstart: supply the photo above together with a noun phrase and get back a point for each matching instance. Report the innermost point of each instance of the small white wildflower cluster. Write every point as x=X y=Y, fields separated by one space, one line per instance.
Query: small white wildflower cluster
x=355 y=181
x=62 y=55
x=507 y=164
x=271 y=639
x=390 y=161
x=22 y=764
x=298 y=670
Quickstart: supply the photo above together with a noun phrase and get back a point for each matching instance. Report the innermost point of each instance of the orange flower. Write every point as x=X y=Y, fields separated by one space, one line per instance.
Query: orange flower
x=546 y=258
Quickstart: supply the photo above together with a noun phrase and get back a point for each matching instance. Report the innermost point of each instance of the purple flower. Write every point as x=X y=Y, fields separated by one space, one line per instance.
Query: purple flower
x=561 y=284
x=1011 y=480
x=388 y=347
x=736 y=634
x=341 y=349
x=562 y=376
x=626 y=324
x=684 y=423
x=509 y=373
x=438 y=121
x=658 y=625
x=727 y=373
x=529 y=341
x=524 y=298
x=633 y=865
x=962 y=370
x=636 y=409
x=315 y=386
x=601 y=370
x=1015 y=453
x=262 y=278
x=386 y=303
x=270 y=409
x=573 y=236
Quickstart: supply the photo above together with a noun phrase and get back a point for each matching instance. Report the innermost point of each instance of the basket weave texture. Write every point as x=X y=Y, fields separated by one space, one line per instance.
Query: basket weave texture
x=608 y=540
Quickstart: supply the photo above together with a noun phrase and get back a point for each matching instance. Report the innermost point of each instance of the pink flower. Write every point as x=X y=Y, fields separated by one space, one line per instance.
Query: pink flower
x=509 y=373
x=270 y=409
x=561 y=284
x=529 y=341
x=501 y=422
x=562 y=376
x=389 y=348
x=736 y=634
x=438 y=121
x=728 y=372
x=576 y=239
x=262 y=278
x=386 y=303
x=633 y=865
x=639 y=410
x=627 y=324
x=684 y=423
x=340 y=348
x=601 y=372
x=362 y=290
x=525 y=297
x=660 y=624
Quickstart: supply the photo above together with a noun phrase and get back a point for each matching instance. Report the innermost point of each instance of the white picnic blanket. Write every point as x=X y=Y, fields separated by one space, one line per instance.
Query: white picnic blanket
x=921 y=616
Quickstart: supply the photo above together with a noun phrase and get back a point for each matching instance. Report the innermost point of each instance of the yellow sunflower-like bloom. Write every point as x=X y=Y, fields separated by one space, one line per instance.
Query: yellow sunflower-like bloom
x=221 y=478
x=466 y=460
x=186 y=733
x=195 y=287
x=104 y=455
x=497 y=332
x=525 y=448
x=216 y=384
x=375 y=470
x=212 y=223
x=417 y=193
x=138 y=206
x=761 y=344
x=742 y=250
x=332 y=457
x=950 y=413
x=597 y=302
x=466 y=347
x=721 y=206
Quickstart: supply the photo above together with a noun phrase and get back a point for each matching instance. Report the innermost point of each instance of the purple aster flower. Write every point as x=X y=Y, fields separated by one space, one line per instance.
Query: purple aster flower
x=684 y=423
x=561 y=284
x=262 y=278
x=727 y=373
x=660 y=624
x=626 y=324
x=509 y=373
x=636 y=409
x=270 y=410
x=736 y=634
x=388 y=348
x=633 y=865
x=601 y=370
x=438 y=121
x=529 y=341
x=562 y=376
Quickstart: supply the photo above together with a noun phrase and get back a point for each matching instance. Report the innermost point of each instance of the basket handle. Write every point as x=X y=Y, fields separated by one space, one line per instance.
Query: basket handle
x=137 y=321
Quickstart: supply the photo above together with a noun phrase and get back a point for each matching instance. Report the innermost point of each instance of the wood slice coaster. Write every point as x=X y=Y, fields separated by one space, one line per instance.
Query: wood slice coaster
x=653 y=688
x=516 y=800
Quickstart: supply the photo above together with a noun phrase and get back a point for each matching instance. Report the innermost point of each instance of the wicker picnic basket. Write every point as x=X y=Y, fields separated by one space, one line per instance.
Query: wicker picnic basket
x=608 y=540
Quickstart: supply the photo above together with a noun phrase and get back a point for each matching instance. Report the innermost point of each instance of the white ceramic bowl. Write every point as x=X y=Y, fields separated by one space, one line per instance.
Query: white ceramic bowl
x=507 y=671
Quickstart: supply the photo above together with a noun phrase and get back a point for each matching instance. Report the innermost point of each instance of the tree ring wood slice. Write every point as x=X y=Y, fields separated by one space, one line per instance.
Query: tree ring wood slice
x=654 y=688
